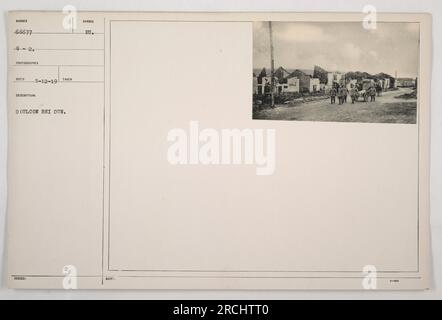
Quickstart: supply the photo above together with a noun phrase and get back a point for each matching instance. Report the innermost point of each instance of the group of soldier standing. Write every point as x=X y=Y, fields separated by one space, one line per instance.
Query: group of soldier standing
x=342 y=93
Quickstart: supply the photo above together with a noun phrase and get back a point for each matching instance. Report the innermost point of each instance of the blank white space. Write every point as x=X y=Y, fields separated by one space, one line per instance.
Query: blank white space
x=343 y=194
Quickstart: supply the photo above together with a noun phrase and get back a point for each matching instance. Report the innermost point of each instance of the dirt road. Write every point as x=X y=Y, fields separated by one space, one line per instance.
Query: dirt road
x=386 y=109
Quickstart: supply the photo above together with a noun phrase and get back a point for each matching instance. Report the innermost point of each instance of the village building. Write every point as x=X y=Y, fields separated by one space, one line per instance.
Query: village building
x=281 y=73
x=289 y=85
x=306 y=81
x=405 y=82
x=264 y=84
x=334 y=77
x=284 y=82
x=314 y=85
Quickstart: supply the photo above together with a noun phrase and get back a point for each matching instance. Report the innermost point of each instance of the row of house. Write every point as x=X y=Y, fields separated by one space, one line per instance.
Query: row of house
x=343 y=79
x=406 y=82
x=311 y=81
x=285 y=82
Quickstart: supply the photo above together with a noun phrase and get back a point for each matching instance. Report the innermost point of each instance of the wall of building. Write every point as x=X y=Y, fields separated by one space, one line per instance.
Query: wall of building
x=314 y=85
x=293 y=85
x=334 y=77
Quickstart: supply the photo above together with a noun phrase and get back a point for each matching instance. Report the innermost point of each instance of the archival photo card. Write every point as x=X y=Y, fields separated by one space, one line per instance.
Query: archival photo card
x=336 y=71
x=135 y=162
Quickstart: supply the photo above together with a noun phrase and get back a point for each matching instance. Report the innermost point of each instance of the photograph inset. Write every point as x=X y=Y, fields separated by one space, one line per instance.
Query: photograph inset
x=335 y=71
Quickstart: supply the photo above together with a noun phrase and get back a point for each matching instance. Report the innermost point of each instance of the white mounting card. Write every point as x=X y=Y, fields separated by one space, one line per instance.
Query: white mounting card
x=218 y=150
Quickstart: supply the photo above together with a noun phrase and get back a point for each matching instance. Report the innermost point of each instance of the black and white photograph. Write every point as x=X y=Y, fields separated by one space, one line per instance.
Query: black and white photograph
x=336 y=71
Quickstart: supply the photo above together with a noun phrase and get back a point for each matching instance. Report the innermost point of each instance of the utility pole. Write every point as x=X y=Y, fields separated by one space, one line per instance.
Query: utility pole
x=272 y=66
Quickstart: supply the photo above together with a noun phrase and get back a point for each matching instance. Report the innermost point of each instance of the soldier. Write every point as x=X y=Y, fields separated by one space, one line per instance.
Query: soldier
x=345 y=94
x=353 y=94
x=341 y=95
x=379 y=88
x=372 y=93
x=333 y=95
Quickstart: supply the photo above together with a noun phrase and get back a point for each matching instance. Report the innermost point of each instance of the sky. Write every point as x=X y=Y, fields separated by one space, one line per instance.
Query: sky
x=339 y=46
